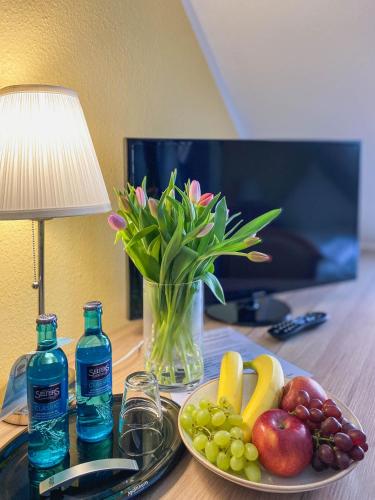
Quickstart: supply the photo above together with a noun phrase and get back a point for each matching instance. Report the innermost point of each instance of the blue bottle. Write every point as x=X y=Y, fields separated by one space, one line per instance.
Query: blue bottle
x=94 y=378
x=47 y=397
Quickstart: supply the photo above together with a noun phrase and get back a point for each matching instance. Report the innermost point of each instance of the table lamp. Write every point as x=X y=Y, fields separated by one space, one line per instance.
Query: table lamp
x=48 y=165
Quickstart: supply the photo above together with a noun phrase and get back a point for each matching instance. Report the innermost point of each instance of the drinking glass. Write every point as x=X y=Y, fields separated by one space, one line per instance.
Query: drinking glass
x=141 y=417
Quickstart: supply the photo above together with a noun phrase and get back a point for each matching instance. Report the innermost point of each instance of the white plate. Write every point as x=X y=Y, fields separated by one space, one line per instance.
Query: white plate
x=309 y=479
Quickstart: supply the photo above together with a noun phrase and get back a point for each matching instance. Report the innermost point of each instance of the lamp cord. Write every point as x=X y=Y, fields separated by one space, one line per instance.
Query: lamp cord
x=35 y=283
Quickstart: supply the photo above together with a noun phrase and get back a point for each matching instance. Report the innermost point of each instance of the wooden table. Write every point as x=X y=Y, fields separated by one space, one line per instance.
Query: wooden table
x=341 y=355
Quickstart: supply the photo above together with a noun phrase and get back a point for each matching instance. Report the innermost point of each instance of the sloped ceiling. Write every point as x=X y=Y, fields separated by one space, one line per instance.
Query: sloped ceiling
x=298 y=69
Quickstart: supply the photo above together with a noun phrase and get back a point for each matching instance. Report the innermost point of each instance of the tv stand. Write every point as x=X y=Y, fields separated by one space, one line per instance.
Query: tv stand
x=258 y=310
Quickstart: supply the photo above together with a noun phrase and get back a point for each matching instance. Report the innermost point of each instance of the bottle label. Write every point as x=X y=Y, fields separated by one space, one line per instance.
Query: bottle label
x=96 y=379
x=49 y=401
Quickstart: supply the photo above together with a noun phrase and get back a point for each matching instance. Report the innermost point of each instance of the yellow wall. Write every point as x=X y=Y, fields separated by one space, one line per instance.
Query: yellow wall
x=139 y=72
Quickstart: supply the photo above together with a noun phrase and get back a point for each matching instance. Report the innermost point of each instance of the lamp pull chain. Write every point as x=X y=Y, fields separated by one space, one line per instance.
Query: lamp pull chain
x=35 y=284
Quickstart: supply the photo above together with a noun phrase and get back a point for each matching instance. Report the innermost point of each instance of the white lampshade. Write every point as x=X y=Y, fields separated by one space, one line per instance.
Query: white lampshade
x=48 y=165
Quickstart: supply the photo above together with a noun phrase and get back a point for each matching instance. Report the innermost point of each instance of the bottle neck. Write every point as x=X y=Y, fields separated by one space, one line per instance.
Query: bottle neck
x=93 y=322
x=46 y=336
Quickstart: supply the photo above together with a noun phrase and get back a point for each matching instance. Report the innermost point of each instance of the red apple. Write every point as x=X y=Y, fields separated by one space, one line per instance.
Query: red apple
x=284 y=443
x=290 y=393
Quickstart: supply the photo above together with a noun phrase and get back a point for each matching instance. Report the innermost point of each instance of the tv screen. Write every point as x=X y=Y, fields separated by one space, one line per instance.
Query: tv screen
x=313 y=242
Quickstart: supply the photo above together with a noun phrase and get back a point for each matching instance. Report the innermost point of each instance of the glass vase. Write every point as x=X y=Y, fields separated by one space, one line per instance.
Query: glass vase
x=172 y=331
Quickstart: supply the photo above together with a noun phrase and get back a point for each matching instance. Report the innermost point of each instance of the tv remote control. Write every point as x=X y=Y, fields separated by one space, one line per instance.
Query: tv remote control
x=291 y=327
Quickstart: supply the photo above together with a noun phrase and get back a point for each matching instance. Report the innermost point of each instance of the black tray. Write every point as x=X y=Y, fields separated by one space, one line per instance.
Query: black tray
x=19 y=480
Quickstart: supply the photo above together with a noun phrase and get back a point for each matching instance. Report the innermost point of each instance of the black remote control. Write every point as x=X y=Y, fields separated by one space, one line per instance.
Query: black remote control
x=291 y=327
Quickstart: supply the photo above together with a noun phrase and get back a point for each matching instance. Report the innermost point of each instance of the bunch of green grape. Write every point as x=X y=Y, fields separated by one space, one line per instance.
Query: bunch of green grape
x=217 y=433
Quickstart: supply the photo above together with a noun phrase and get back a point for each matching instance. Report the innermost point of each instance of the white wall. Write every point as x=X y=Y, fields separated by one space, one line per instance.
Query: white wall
x=296 y=69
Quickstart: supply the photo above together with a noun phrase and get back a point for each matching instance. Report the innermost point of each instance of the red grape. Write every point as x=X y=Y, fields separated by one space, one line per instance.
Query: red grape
x=326 y=454
x=302 y=412
x=316 y=415
x=364 y=447
x=332 y=411
x=316 y=403
x=342 y=459
x=357 y=453
x=317 y=464
x=329 y=402
x=343 y=441
x=358 y=437
x=330 y=426
x=313 y=426
x=347 y=426
x=303 y=398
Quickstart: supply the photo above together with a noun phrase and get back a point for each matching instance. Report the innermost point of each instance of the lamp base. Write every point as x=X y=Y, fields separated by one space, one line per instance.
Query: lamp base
x=19 y=417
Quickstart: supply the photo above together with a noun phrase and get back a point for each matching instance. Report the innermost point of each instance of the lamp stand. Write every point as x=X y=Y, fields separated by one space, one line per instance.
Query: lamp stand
x=41 y=302
x=20 y=417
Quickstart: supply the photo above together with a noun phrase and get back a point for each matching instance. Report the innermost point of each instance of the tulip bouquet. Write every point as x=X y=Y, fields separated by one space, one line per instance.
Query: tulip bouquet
x=174 y=243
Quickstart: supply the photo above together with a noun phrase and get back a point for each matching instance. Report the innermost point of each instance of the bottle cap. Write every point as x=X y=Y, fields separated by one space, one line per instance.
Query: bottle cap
x=92 y=305
x=45 y=319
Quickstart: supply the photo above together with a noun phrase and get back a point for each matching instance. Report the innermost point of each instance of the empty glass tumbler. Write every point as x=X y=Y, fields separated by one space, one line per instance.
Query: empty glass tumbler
x=141 y=417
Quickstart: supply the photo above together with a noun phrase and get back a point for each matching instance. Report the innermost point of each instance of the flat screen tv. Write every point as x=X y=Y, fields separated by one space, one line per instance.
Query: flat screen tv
x=313 y=242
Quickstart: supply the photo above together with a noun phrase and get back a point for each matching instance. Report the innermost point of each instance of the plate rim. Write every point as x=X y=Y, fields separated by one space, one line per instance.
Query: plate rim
x=262 y=486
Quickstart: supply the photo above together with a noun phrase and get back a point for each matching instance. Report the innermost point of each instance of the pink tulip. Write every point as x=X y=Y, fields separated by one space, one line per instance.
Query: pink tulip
x=259 y=257
x=205 y=199
x=116 y=222
x=205 y=230
x=141 y=197
x=195 y=191
x=153 y=206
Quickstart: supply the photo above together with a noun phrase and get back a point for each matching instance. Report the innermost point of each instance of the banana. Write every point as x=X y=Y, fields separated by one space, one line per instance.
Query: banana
x=230 y=380
x=267 y=393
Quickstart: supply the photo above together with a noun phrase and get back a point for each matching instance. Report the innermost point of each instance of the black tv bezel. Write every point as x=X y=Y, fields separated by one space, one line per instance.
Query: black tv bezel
x=135 y=288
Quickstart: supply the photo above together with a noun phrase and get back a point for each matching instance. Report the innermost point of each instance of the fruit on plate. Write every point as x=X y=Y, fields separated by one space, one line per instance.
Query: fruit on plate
x=216 y=433
x=291 y=394
x=231 y=380
x=337 y=442
x=284 y=443
x=267 y=393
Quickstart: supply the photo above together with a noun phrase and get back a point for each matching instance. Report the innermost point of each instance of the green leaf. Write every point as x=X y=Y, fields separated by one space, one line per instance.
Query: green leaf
x=207 y=209
x=171 y=222
x=174 y=203
x=163 y=226
x=168 y=189
x=141 y=234
x=144 y=185
x=173 y=246
x=192 y=234
x=187 y=204
x=236 y=246
x=182 y=263
x=220 y=219
x=205 y=242
x=232 y=217
x=257 y=224
x=232 y=229
x=146 y=265
x=211 y=267
x=146 y=218
x=118 y=237
x=154 y=248
x=214 y=285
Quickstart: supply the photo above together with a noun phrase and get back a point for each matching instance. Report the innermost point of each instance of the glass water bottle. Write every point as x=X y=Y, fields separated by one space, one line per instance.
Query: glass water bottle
x=47 y=397
x=94 y=378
